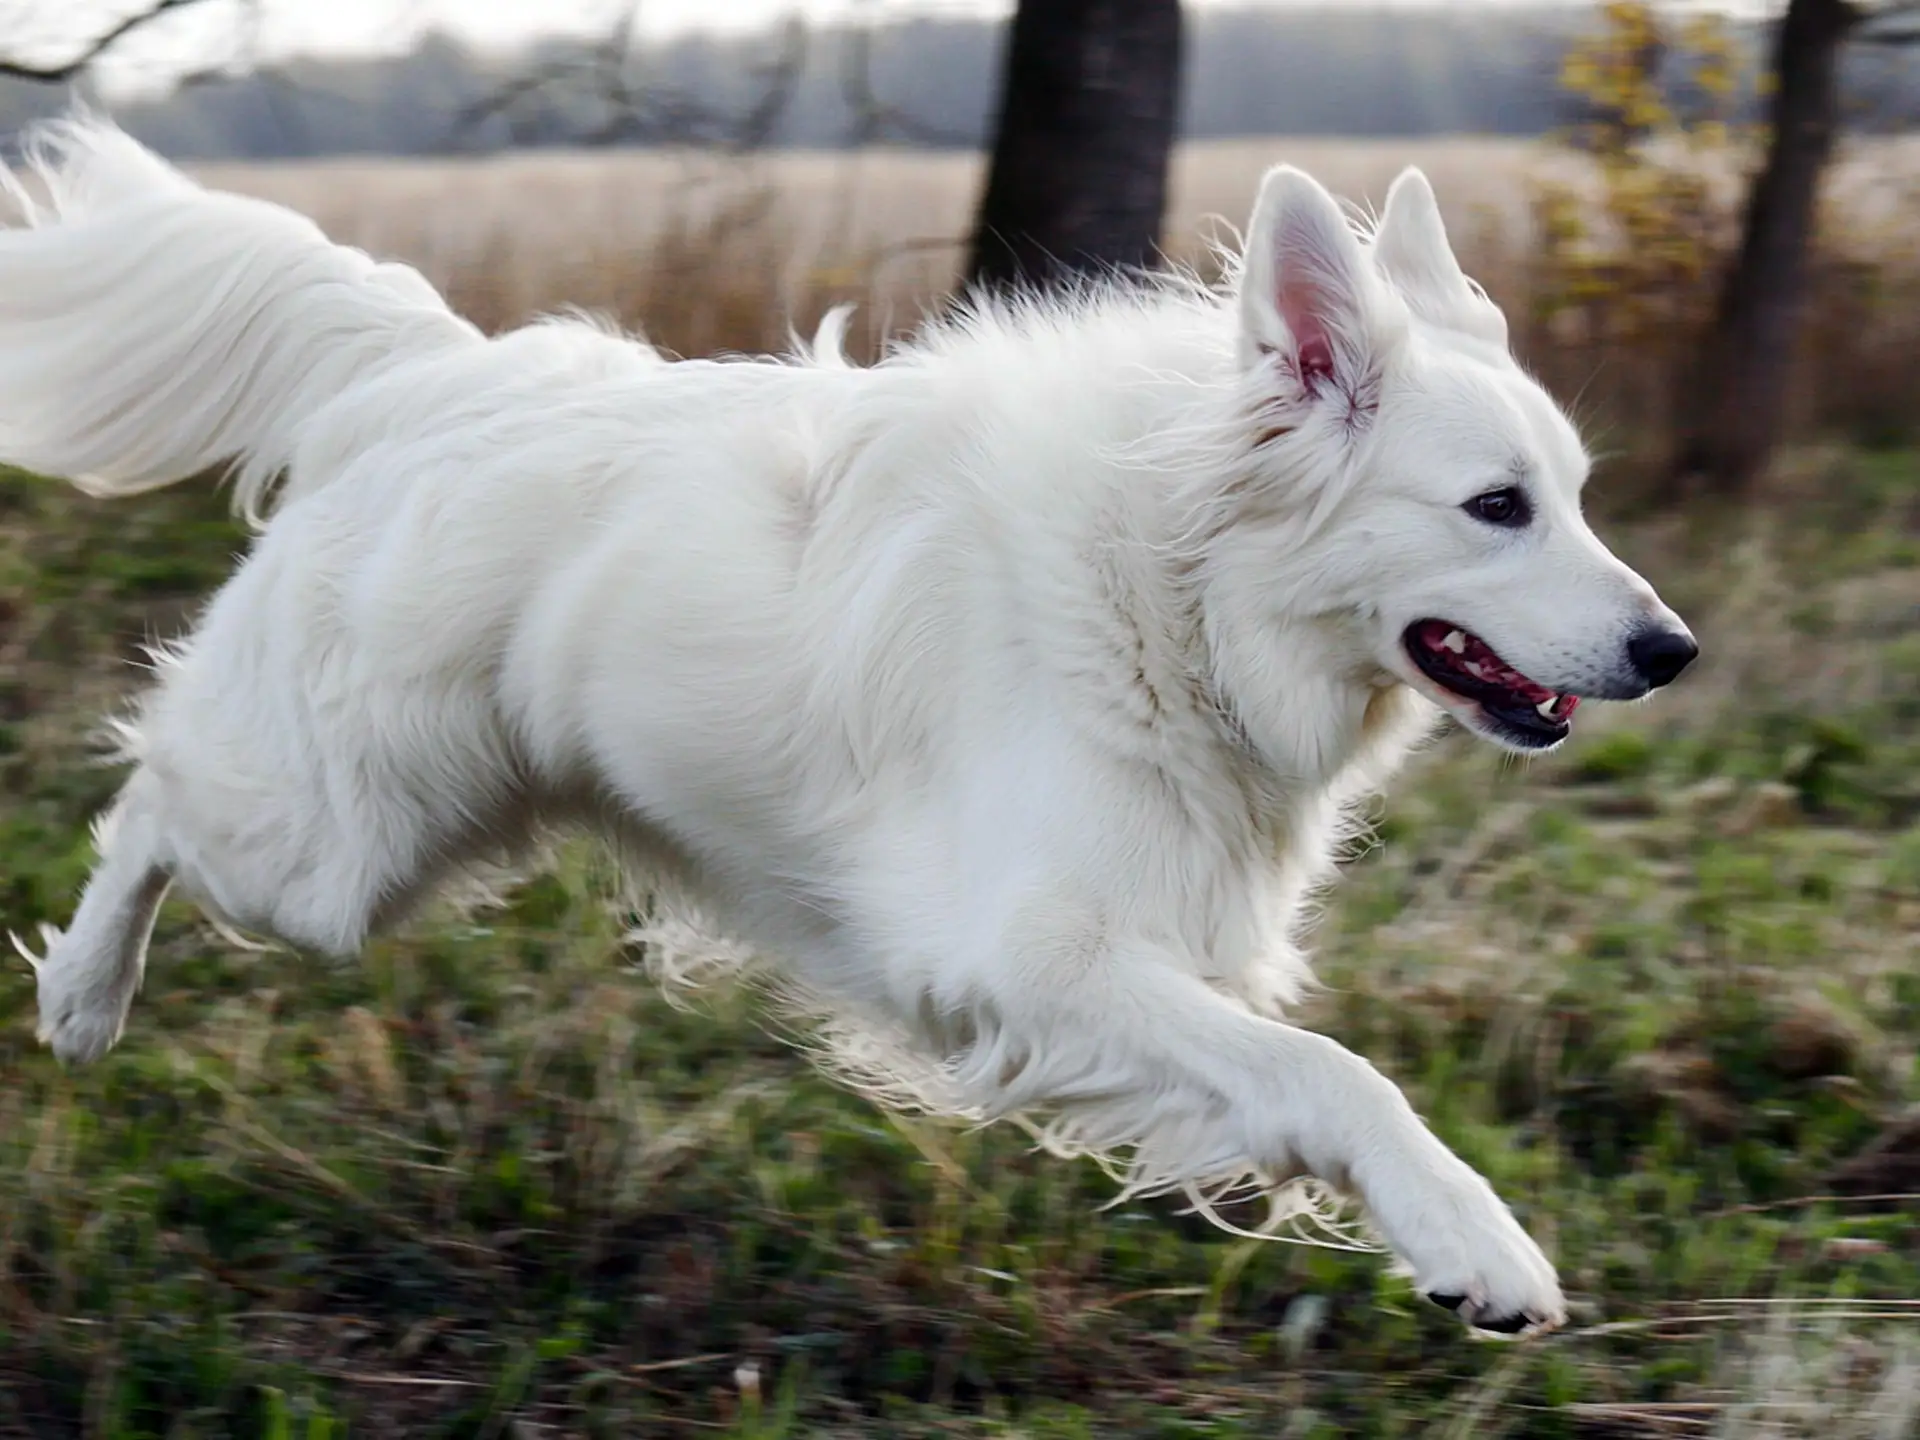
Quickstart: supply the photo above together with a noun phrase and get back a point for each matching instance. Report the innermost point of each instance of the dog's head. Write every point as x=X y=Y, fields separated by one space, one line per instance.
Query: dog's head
x=1441 y=483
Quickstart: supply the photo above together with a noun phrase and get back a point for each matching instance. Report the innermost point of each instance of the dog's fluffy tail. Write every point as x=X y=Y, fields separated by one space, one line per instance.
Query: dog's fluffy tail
x=151 y=329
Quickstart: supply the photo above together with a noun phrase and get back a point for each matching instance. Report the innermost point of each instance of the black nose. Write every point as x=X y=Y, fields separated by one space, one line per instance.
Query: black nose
x=1660 y=655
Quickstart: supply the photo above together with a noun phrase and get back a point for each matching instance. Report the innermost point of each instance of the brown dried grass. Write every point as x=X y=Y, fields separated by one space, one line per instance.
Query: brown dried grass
x=705 y=253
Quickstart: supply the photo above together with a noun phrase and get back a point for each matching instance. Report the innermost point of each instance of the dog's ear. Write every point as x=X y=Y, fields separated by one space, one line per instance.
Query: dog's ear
x=1305 y=290
x=1410 y=246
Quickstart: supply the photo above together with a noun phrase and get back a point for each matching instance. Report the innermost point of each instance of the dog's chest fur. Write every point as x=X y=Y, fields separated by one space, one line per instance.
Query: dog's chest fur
x=1251 y=834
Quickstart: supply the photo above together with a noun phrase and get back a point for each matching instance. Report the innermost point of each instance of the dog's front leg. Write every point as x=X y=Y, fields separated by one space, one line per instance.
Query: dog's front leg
x=1192 y=1074
x=1465 y=1249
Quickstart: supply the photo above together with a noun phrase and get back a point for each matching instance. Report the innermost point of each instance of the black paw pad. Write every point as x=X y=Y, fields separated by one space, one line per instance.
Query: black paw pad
x=1505 y=1324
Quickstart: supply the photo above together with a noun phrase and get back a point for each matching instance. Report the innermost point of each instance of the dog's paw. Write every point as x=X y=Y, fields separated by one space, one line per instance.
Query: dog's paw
x=1469 y=1255
x=1488 y=1271
x=78 y=1022
x=1518 y=1323
x=78 y=1035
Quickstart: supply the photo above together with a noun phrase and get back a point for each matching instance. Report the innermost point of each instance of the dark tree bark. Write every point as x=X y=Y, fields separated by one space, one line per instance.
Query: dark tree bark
x=1729 y=429
x=1078 y=180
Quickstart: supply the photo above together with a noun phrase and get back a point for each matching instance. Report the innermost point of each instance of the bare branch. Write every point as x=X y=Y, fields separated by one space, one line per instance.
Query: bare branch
x=73 y=68
x=778 y=79
x=633 y=106
x=875 y=119
x=1904 y=29
x=1865 y=17
x=505 y=101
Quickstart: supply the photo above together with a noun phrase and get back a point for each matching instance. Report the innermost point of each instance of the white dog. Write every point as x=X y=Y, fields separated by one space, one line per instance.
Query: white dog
x=1002 y=700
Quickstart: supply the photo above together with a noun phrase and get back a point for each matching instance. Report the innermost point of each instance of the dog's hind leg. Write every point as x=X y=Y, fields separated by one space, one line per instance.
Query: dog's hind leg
x=90 y=972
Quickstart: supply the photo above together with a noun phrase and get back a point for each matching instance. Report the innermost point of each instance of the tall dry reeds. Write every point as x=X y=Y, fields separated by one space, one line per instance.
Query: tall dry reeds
x=704 y=254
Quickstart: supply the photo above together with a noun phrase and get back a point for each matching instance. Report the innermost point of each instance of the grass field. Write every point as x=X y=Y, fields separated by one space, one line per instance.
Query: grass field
x=488 y=1183
x=1661 y=988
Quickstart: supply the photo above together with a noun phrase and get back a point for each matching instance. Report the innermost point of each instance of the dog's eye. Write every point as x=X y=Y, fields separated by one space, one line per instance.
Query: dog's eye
x=1506 y=507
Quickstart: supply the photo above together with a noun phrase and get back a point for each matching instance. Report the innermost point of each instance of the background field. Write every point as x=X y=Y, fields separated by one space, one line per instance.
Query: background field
x=1661 y=987
x=520 y=232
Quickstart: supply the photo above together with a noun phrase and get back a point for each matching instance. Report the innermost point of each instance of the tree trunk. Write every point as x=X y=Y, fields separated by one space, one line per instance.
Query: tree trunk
x=1747 y=363
x=1088 y=109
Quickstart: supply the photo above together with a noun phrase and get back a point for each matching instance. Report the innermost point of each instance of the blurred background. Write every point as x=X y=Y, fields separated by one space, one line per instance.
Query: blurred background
x=1661 y=986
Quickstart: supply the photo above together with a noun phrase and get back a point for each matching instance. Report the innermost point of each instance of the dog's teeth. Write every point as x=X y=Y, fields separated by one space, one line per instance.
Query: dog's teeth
x=1476 y=669
x=1456 y=641
x=1549 y=708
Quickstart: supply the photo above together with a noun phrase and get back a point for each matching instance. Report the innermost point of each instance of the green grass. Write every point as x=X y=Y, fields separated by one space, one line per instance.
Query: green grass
x=487 y=1183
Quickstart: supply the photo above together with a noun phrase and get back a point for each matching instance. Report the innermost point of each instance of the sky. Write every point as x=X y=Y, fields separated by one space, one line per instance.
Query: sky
x=213 y=31
x=496 y=21
x=44 y=30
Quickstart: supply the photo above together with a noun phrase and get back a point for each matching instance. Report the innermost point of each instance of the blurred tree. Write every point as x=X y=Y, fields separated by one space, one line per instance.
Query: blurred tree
x=1089 y=104
x=1731 y=422
x=1656 y=100
x=1627 y=249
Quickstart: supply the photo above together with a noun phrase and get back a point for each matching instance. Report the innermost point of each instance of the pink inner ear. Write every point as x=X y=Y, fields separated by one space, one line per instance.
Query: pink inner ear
x=1316 y=361
x=1304 y=304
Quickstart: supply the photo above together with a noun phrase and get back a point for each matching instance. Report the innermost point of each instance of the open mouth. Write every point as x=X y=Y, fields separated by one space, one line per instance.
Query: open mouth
x=1524 y=712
